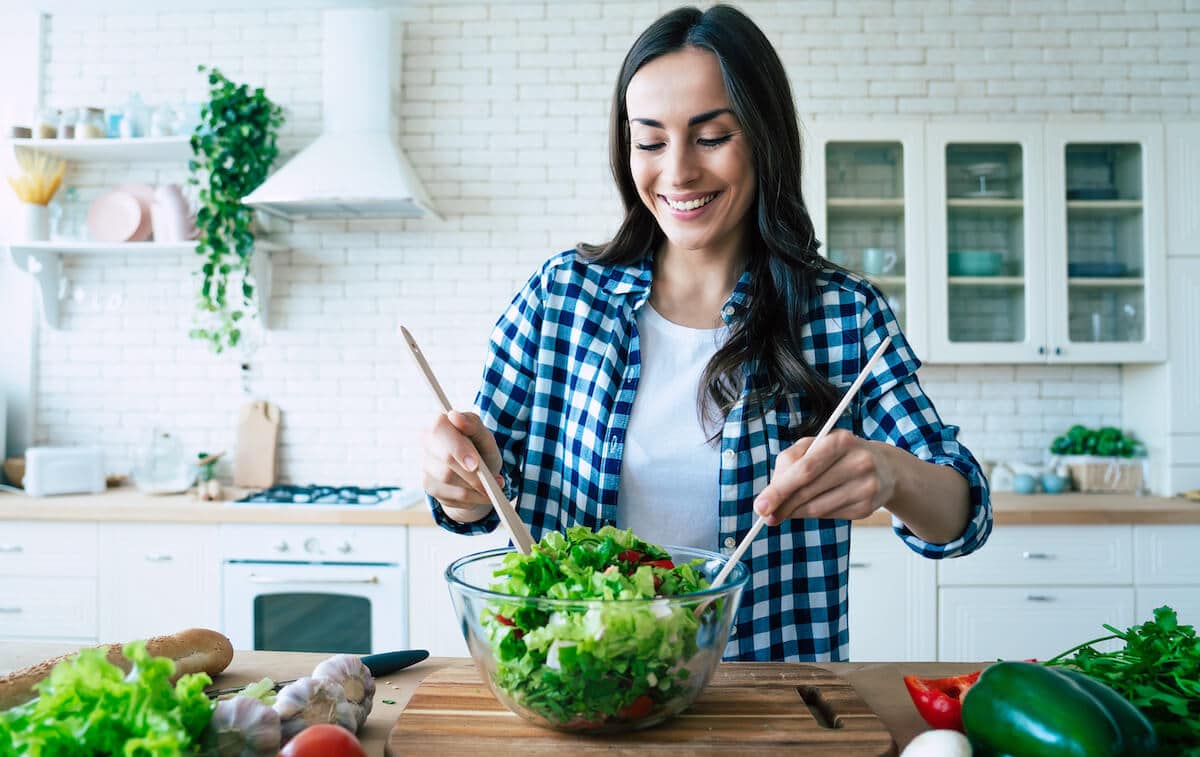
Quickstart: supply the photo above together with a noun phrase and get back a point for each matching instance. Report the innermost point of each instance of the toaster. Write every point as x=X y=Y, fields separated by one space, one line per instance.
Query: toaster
x=64 y=470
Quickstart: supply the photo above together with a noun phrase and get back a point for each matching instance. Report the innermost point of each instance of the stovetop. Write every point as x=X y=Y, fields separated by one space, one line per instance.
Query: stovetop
x=314 y=494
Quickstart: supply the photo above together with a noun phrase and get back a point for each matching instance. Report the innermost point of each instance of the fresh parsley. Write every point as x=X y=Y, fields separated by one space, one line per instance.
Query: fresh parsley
x=1158 y=670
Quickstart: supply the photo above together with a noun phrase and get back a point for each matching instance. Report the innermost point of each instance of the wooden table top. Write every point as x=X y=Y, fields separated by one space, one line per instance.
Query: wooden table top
x=880 y=684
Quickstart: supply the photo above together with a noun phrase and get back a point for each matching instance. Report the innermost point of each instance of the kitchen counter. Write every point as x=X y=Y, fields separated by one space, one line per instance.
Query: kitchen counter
x=880 y=684
x=129 y=505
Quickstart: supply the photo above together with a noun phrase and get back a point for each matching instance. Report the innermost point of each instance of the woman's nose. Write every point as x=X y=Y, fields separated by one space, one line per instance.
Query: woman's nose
x=683 y=169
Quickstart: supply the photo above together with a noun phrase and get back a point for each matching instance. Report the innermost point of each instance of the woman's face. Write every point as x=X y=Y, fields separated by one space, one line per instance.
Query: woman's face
x=689 y=159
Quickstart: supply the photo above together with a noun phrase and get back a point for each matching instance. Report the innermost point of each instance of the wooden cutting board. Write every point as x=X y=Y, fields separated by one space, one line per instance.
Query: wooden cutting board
x=747 y=708
x=258 y=433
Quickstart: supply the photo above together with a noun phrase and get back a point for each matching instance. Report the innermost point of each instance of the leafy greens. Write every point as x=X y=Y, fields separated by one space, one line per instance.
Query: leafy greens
x=1158 y=670
x=88 y=706
x=587 y=664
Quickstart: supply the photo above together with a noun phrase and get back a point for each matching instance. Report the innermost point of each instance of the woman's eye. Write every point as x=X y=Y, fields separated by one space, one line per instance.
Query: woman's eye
x=649 y=147
x=716 y=141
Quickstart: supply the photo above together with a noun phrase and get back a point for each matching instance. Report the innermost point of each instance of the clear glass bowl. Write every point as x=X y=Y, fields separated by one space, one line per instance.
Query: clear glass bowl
x=595 y=666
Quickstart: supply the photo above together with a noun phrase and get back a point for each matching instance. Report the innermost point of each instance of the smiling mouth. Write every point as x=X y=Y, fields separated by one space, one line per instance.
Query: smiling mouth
x=687 y=205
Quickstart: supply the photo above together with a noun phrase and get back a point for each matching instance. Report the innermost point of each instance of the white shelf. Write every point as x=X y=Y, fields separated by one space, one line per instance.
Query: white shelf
x=43 y=261
x=177 y=149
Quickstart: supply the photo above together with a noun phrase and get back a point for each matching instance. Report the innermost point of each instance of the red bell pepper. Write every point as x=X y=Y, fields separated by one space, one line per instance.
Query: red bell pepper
x=939 y=700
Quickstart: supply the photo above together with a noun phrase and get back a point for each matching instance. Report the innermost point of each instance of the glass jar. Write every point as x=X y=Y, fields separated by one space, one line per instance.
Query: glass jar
x=66 y=123
x=46 y=123
x=71 y=222
x=89 y=124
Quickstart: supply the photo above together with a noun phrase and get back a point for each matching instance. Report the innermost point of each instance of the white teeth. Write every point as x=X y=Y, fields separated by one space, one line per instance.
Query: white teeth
x=691 y=204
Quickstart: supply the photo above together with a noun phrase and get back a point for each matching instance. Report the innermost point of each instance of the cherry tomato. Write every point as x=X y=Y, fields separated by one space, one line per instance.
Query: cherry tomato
x=637 y=709
x=323 y=740
x=667 y=564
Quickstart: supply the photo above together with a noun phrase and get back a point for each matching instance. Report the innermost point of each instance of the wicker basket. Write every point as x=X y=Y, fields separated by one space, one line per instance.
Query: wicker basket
x=1105 y=475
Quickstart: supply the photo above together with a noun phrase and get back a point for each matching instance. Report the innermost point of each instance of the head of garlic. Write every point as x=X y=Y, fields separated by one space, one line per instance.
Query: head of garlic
x=356 y=680
x=308 y=701
x=243 y=727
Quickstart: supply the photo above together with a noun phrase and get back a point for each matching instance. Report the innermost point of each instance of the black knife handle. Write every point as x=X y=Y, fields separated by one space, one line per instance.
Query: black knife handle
x=389 y=662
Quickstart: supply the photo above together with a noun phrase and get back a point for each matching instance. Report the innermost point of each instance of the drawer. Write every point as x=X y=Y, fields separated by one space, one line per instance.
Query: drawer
x=1045 y=556
x=47 y=549
x=48 y=608
x=1166 y=554
x=976 y=625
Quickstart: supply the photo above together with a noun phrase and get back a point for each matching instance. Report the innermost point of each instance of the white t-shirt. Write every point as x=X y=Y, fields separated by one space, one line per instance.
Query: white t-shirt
x=670 y=474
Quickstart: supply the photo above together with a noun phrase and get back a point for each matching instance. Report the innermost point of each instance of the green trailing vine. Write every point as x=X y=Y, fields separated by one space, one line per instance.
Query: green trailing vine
x=234 y=147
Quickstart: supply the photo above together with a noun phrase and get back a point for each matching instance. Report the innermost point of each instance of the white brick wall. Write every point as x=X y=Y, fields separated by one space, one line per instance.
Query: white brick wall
x=504 y=115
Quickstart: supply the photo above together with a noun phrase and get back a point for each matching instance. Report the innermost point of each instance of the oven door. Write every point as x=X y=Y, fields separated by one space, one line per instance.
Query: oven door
x=315 y=607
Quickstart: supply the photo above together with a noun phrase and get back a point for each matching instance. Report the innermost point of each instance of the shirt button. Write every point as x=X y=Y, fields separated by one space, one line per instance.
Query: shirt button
x=730 y=542
x=728 y=311
x=733 y=631
x=729 y=456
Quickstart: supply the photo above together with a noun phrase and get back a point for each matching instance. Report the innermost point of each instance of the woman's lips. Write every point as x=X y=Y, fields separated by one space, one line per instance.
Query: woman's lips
x=690 y=207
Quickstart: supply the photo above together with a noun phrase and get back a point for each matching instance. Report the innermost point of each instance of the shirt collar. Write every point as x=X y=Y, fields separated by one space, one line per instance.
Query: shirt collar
x=635 y=279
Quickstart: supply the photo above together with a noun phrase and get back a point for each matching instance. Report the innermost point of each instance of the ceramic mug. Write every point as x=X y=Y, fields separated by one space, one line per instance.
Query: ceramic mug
x=877 y=261
x=1052 y=483
x=1024 y=483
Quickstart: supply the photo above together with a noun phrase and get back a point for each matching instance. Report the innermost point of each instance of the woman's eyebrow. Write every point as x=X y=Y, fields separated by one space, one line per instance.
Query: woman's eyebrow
x=699 y=118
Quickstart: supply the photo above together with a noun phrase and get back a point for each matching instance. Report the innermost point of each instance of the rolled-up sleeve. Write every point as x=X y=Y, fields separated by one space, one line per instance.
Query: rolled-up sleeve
x=504 y=400
x=895 y=409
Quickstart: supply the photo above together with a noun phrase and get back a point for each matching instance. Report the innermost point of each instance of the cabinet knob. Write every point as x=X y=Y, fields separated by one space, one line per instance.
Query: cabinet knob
x=1036 y=556
x=1038 y=598
x=860 y=565
x=1058 y=350
x=1041 y=349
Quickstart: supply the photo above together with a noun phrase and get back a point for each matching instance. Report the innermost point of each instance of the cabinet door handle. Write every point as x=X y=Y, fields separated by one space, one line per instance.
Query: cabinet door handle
x=257 y=579
x=1036 y=556
x=10 y=610
x=1038 y=598
x=10 y=549
x=159 y=558
x=860 y=564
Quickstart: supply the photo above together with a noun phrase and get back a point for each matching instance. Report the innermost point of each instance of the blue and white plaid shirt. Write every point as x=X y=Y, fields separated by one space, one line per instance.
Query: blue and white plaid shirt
x=558 y=387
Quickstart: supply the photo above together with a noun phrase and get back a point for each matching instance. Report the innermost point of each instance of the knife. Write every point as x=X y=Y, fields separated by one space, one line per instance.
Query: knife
x=379 y=664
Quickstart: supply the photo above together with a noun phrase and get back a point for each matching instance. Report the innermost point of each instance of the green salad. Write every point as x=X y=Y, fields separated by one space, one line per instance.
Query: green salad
x=588 y=664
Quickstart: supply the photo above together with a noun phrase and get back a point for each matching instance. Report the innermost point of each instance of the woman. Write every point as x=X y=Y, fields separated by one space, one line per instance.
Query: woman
x=672 y=379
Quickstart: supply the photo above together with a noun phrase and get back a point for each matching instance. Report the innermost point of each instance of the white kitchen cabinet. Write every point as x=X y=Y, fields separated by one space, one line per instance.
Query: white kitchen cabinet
x=981 y=623
x=432 y=621
x=864 y=183
x=157 y=578
x=893 y=598
x=1167 y=571
x=1035 y=591
x=1046 y=243
x=48 y=581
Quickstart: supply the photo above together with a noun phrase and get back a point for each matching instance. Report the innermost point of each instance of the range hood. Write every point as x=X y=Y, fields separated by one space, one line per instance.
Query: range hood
x=354 y=169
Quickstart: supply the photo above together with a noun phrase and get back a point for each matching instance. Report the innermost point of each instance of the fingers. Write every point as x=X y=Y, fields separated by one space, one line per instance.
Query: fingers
x=451 y=462
x=815 y=480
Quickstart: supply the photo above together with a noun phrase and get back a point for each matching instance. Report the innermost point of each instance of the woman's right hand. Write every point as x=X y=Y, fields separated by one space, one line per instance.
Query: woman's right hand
x=453 y=445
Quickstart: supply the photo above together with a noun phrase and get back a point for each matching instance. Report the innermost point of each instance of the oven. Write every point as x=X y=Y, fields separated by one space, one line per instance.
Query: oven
x=314 y=588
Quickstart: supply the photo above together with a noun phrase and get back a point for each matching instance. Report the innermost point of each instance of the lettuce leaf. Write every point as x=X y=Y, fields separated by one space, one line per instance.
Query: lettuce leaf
x=88 y=706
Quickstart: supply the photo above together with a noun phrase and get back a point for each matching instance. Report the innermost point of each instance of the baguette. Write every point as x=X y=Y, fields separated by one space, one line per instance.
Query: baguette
x=196 y=650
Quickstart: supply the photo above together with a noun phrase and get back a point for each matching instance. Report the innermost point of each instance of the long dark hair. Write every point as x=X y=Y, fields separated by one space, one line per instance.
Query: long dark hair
x=783 y=256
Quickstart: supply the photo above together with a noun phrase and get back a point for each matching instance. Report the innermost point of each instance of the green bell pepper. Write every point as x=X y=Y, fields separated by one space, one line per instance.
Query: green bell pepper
x=1022 y=708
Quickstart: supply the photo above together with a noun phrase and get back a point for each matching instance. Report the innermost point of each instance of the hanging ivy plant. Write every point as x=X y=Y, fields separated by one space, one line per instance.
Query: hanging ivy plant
x=234 y=147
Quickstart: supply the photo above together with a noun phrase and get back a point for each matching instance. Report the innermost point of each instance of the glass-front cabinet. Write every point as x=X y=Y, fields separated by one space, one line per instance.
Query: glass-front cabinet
x=987 y=292
x=864 y=189
x=1108 y=298
x=1046 y=243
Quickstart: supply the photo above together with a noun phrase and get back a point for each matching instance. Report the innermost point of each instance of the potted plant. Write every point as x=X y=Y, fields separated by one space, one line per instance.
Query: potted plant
x=234 y=146
x=1101 y=460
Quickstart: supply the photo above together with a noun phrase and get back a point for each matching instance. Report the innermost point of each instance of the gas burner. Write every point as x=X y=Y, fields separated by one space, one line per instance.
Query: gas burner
x=289 y=494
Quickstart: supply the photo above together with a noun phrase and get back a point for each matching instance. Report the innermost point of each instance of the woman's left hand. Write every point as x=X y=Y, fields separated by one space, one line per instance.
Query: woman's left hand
x=841 y=477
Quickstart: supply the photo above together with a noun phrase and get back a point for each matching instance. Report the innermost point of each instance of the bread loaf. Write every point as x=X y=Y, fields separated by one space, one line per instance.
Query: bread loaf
x=196 y=650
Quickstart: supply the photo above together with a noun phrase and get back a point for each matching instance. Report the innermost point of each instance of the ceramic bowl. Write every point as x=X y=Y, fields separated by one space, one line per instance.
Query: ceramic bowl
x=636 y=689
x=975 y=263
